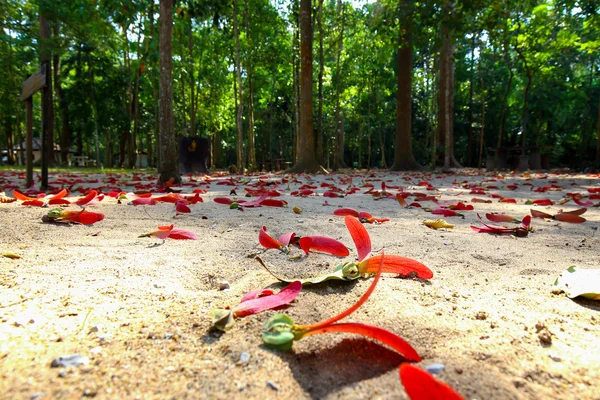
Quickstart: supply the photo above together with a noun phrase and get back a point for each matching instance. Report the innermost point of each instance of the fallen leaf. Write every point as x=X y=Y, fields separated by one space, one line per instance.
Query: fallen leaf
x=580 y=282
x=437 y=223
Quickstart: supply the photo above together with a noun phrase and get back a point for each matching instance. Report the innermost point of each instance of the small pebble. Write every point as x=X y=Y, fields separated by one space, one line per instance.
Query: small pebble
x=272 y=385
x=37 y=395
x=300 y=221
x=244 y=357
x=435 y=368
x=69 y=361
x=168 y=336
x=481 y=315
x=96 y=350
x=224 y=285
x=555 y=358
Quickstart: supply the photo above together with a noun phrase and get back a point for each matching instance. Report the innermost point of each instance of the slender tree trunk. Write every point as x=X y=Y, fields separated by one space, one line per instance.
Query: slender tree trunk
x=470 y=127
x=296 y=72
x=482 y=132
x=65 y=137
x=525 y=111
x=338 y=158
x=95 y=111
x=403 y=155
x=240 y=94
x=598 y=139
x=251 y=144
x=306 y=161
x=168 y=144
x=192 y=79
x=320 y=97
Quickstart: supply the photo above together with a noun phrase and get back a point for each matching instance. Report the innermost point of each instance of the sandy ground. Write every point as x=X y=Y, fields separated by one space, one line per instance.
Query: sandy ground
x=138 y=308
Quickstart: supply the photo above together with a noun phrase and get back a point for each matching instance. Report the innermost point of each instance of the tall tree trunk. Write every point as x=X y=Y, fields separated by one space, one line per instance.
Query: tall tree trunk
x=168 y=144
x=306 y=161
x=192 y=79
x=320 y=96
x=296 y=72
x=338 y=158
x=240 y=94
x=470 y=127
x=65 y=137
x=403 y=155
x=598 y=139
x=446 y=91
x=525 y=116
x=251 y=145
x=94 y=110
x=482 y=132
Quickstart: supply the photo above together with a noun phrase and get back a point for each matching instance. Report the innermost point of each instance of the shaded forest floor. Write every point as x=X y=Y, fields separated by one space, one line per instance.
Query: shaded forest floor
x=138 y=308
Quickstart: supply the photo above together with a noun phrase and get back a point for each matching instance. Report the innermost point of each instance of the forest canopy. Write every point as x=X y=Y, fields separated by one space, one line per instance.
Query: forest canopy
x=482 y=75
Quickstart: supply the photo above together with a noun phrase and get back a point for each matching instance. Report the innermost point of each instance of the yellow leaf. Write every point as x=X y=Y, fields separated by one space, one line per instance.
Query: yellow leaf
x=12 y=256
x=437 y=223
x=297 y=210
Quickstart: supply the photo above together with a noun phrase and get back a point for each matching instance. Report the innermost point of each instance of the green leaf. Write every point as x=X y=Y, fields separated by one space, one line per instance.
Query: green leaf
x=278 y=332
x=580 y=282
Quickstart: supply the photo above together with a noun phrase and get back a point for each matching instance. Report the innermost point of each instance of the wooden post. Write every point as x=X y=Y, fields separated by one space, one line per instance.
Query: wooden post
x=29 y=140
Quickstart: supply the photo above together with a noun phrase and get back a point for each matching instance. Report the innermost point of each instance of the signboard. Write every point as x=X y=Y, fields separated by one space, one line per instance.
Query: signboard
x=34 y=83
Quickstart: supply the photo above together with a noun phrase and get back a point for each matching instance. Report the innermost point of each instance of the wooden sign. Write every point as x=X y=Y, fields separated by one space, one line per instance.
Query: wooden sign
x=34 y=83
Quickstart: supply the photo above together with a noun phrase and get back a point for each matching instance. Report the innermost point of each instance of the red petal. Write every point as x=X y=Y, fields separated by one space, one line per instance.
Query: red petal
x=583 y=203
x=342 y=212
x=540 y=214
x=543 y=202
x=273 y=203
x=323 y=244
x=267 y=241
x=444 y=212
x=88 y=197
x=223 y=200
x=33 y=203
x=364 y=215
x=500 y=217
x=565 y=217
x=22 y=197
x=60 y=195
x=89 y=218
x=285 y=296
x=255 y=202
x=420 y=385
x=579 y=211
x=507 y=200
x=255 y=294
x=182 y=234
x=181 y=207
x=286 y=238
x=58 y=202
x=393 y=264
x=146 y=201
x=401 y=200
x=383 y=335
x=360 y=237
x=526 y=222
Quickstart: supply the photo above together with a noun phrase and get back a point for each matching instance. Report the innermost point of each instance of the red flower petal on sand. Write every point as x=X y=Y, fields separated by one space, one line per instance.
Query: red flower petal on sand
x=88 y=197
x=88 y=217
x=181 y=207
x=323 y=244
x=579 y=211
x=223 y=200
x=420 y=385
x=273 y=203
x=588 y=203
x=540 y=214
x=58 y=202
x=20 y=196
x=285 y=296
x=526 y=222
x=145 y=201
x=267 y=240
x=33 y=203
x=255 y=294
x=365 y=215
x=543 y=202
x=60 y=194
x=401 y=200
x=566 y=217
x=393 y=264
x=500 y=218
x=286 y=238
x=342 y=212
x=445 y=212
x=360 y=237
x=162 y=232
x=507 y=200
x=169 y=198
x=182 y=234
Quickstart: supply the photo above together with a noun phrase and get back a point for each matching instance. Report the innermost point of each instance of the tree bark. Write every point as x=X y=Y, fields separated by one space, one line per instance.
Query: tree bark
x=65 y=137
x=47 y=108
x=598 y=141
x=482 y=132
x=192 y=79
x=168 y=144
x=403 y=155
x=240 y=94
x=251 y=146
x=338 y=158
x=470 y=127
x=320 y=96
x=306 y=161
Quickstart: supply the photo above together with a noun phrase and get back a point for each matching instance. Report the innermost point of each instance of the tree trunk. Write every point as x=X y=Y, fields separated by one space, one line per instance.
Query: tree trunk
x=446 y=92
x=470 y=127
x=251 y=145
x=240 y=94
x=338 y=158
x=598 y=141
x=65 y=137
x=320 y=96
x=403 y=155
x=192 y=79
x=525 y=111
x=482 y=132
x=306 y=161
x=168 y=168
